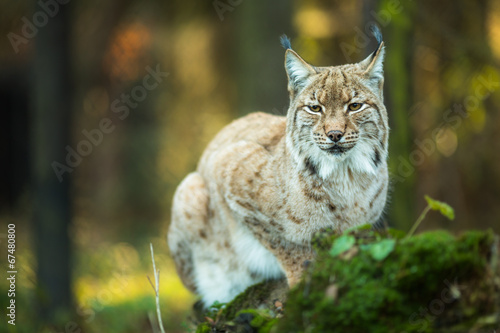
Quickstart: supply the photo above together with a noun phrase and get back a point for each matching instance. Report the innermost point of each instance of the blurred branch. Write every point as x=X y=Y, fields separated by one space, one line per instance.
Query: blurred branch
x=154 y=325
x=156 y=288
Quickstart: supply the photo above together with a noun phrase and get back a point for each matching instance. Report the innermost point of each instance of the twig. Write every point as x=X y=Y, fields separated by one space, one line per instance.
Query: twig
x=156 y=288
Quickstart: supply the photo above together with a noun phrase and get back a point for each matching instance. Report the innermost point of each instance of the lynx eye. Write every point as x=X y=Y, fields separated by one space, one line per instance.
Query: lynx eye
x=355 y=106
x=315 y=108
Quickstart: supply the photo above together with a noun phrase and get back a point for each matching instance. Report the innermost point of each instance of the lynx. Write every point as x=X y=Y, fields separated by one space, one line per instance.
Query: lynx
x=266 y=184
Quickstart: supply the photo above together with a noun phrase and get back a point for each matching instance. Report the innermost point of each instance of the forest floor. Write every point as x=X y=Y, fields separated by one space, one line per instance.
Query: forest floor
x=377 y=281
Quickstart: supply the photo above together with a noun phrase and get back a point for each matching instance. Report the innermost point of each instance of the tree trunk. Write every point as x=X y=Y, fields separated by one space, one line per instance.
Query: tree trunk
x=51 y=127
x=398 y=67
x=260 y=56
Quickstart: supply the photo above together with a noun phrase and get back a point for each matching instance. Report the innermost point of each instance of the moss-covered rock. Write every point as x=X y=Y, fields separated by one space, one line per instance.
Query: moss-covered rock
x=255 y=310
x=369 y=281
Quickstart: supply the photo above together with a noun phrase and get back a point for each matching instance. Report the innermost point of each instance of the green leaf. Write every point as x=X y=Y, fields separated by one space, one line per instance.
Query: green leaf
x=442 y=207
x=342 y=244
x=379 y=251
x=365 y=247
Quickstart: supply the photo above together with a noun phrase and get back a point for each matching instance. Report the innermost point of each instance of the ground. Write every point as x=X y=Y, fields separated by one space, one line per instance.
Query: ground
x=377 y=281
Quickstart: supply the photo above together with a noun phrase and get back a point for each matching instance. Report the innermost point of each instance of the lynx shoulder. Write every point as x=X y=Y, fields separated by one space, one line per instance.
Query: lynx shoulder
x=266 y=184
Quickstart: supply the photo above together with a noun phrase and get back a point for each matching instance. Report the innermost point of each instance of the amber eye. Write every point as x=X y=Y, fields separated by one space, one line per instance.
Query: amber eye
x=315 y=108
x=355 y=106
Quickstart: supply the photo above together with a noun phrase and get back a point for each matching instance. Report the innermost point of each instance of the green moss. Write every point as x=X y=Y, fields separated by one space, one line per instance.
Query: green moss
x=410 y=290
x=204 y=328
x=251 y=311
x=261 y=320
x=259 y=295
x=381 y=283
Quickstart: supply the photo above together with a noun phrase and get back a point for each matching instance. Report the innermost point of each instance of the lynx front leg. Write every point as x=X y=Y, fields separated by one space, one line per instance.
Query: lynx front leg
x=290 y=256
x=293 y=262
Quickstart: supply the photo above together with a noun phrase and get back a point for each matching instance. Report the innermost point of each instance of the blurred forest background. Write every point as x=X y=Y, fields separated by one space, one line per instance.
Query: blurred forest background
x=70 y=70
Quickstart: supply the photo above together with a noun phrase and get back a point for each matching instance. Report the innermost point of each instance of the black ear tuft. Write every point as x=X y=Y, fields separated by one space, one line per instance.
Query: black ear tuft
x=376 y=33
x=285 y=42
x=372 y=66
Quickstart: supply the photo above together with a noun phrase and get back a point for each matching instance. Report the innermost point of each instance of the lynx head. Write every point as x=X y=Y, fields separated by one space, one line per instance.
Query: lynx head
x=336 y=117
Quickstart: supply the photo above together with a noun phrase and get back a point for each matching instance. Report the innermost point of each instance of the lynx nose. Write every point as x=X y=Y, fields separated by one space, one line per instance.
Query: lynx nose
x=335 y=136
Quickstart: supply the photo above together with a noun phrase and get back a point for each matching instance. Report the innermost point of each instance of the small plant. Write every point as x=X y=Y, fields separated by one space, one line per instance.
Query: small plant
x=379 y=250
x=214 y=313
x=345 y=245
x=442 y=207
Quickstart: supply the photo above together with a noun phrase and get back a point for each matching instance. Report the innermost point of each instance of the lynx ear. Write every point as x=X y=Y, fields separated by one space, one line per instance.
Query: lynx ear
x=297 y=70
x=373 y=65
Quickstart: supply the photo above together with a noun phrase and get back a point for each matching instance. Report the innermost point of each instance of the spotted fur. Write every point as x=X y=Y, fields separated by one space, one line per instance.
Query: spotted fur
x=266 y=184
